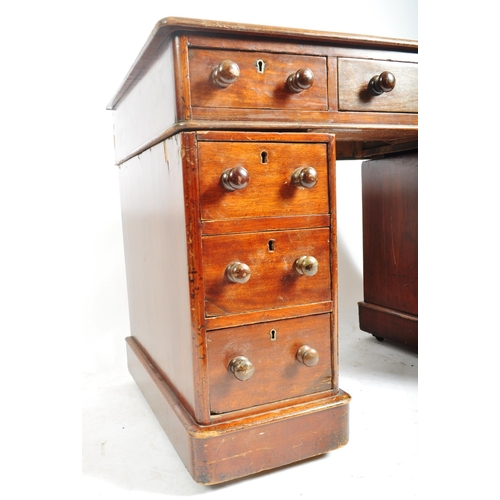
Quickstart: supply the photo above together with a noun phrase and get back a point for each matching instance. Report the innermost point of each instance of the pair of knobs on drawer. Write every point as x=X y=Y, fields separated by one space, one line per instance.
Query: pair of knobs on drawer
x=243 y=368
x=237 y=178
x=239 y=272
x=227 y=72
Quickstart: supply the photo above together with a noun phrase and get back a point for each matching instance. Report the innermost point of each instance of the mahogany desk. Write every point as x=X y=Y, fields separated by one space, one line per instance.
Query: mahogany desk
x=226 y=136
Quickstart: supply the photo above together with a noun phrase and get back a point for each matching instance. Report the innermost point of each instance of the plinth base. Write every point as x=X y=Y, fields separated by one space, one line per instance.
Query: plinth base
x=246 y=445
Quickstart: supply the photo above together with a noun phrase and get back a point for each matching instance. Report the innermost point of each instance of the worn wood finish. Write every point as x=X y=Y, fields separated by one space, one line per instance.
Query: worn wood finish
x=249 y=443
x=178 y=286
x=354 y=95
x=390 y=248
x=270 y=191
x=156 y=255
x=261 y=82
x=274 y=282
x=271 y=347
x=224 y=134
x=258 y=99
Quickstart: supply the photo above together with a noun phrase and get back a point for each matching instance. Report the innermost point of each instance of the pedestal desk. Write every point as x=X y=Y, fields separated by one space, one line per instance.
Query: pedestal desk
x=226 y=137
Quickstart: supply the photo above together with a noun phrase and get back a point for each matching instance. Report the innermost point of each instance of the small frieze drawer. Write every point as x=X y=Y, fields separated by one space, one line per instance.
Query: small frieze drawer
x=257 y=80
x=371 y=85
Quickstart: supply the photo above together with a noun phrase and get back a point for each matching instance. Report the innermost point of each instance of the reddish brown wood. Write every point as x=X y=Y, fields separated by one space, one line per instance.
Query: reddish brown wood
x=354 y=92
x=390 y=248
x=254 y=87
x=259 y=99
x=270 y=191
x=212 y=179
x=274 y=282
x=271 y=347
x=156 y=255
x=250 y=443
x=249 y=318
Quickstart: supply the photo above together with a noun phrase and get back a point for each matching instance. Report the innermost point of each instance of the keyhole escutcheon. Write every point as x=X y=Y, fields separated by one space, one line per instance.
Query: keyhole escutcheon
x=260 y=65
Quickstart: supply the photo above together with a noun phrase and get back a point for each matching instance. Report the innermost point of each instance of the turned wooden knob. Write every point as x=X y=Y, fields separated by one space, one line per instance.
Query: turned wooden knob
x=226 y=73
x=241 y=367
x=306 y=265
x=385 y=82
x=238 y=272
x=308 y=355
x=301 y=80
x=235 y=178
x=306 y=177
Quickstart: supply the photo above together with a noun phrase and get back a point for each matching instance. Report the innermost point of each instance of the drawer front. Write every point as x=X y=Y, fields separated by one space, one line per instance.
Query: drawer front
x=271 y=348
x=271 y=190
x=273 y=279
x=262 y=80
x=354 y=76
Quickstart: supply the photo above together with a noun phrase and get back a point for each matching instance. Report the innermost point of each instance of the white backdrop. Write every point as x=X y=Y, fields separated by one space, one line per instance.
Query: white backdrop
x=116 y=37
x=62 y=279
x=63 y=289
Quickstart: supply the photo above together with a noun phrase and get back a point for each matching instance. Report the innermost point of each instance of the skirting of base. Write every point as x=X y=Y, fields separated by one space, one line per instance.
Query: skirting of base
x=385 y=323
x=224 y=451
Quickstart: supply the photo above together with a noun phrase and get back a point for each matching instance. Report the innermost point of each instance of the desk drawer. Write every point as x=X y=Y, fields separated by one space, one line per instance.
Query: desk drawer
x=261 y=82
x=354 y=76
x=274 y=279
x=271 y=349
x=270 y=189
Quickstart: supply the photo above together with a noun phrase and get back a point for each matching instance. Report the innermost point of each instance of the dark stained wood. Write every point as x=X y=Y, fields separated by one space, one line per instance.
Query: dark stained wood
x=354 y=94
x=212 y=124
x=274 y=361
x=256 y=89
x=259 y=100
x=170 y=25
x=156 y=255
x=248 y=444
x=274 y=282
x=249 y=318
x=270 y=191
x=390 y=246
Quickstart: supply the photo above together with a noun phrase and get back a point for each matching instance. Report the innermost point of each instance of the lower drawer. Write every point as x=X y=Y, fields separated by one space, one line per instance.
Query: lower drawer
x=270 y=350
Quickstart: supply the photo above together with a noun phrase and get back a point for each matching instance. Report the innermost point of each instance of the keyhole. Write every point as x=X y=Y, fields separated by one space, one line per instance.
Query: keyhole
x=260 y=65
x=270 y=245
x=273 y=334
x=263 y=157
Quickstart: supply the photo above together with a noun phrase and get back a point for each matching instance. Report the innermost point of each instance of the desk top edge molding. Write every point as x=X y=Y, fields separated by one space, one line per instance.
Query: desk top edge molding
x=168 y=26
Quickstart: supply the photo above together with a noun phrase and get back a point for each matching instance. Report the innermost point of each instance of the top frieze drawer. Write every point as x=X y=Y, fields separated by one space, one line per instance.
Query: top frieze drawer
x=355 y=77
x=257 y=80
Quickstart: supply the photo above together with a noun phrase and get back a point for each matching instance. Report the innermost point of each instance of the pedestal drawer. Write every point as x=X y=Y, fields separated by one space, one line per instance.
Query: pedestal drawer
x=264 y=184
x=266 y=270
x=267 y=353
x=354 y=76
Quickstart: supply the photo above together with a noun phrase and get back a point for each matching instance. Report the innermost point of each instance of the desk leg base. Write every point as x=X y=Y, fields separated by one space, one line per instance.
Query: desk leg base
x=386 y=323
x=231 y=449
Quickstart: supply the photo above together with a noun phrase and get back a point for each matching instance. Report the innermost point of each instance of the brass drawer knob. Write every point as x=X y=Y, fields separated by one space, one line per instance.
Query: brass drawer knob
x=301 y=80
x=226 y=73
x=385 y=82
x=235 y=178
x=238 y=272
x=306 y=177
x=241 y=367
x=306 y=265
x=308 y=355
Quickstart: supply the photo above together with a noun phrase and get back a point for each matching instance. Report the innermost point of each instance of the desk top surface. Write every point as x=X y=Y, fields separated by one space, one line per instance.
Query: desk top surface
x=169 y=26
